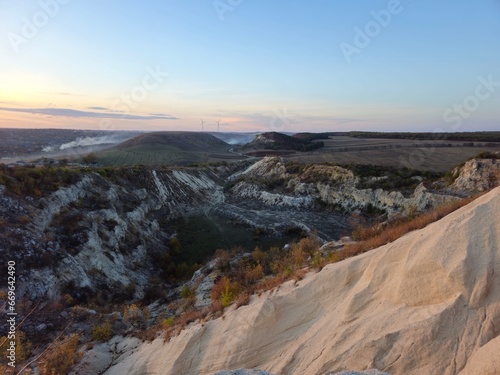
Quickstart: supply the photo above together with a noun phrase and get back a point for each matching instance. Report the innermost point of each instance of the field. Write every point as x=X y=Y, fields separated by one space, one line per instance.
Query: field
x=437 y=156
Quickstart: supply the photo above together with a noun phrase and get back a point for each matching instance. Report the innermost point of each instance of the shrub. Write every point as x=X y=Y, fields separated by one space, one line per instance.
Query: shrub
x=187 y=292
x=90 y=158
x=102 y=332
x=309 y=245
x=146 y=314
x=132 y=314
x=227 y=297
x=168 y=322
x=298 y=256
x=79 y=313
x=225 y=291
x=223 y=258
x=60 y=359
x=254 y=274
x=487 y=155
x=23 y=348
x=175 y=246
x=259 y=256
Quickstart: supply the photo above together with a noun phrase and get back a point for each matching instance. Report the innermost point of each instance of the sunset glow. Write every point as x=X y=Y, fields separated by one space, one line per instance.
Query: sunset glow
x=253 y=65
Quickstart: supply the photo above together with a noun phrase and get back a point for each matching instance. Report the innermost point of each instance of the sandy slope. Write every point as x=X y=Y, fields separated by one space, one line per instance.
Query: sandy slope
x=428 y=303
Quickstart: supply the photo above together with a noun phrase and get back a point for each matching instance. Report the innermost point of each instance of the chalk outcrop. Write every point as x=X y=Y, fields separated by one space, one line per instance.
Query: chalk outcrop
x=332 y=185
x=428 y=303
x=477 y=175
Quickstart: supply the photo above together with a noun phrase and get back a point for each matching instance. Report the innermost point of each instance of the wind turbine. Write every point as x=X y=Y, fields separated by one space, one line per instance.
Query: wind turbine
x=202 y=123
x=218 y=126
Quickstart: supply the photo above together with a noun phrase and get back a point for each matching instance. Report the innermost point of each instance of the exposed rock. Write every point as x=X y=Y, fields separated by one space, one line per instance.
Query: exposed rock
x=102 y=356
x=203 y=280
x=98 y=233
x=477 y=175
x=253 y=191
x=332 y=185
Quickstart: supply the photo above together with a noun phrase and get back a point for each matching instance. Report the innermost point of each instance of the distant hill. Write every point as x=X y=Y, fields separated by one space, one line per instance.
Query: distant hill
x=483 y=136
x=313 y=136
x=171 y=148
x=280 y=141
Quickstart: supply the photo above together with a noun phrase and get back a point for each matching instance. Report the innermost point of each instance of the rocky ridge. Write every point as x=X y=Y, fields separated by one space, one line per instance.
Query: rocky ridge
x=330 y=185
x=99 y=233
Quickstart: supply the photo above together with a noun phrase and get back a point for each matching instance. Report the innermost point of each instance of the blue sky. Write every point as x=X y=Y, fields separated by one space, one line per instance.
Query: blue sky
x=255 y=65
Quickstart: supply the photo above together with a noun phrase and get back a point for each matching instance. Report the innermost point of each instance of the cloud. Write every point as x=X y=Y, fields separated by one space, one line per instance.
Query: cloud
x=98 y=108
x=65 y=112
x=158 y=114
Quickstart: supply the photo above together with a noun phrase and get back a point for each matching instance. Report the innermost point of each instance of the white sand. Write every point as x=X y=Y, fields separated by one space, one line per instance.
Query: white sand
x=429 y=303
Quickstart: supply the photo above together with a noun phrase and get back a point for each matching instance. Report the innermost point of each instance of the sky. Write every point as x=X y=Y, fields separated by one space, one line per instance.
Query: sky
x=250 y=65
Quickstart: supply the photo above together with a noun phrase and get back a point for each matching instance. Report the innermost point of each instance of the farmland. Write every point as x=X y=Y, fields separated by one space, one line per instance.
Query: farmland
x=437 y=156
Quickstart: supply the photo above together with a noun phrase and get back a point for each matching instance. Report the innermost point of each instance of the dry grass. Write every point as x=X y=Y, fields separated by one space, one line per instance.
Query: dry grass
x=243 y=299
x=376 y=236
x=61 y=358
x=190 y=317
x=180 y=322
x=270 y=283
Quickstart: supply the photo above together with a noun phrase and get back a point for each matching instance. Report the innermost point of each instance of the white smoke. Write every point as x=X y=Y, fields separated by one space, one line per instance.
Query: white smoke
x=240 y=140
x=235 y=139
x=48 y=149
x=89 y=141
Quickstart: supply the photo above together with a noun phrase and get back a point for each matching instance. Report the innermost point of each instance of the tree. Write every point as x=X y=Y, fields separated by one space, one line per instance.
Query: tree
x=90 y=158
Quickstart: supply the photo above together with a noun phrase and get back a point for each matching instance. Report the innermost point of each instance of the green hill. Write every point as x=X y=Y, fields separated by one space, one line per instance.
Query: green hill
x=160 y=148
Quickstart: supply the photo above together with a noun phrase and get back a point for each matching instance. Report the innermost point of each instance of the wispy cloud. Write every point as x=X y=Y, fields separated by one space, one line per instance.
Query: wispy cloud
x=65 y=112
x=158 y=114
x=98 y=108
